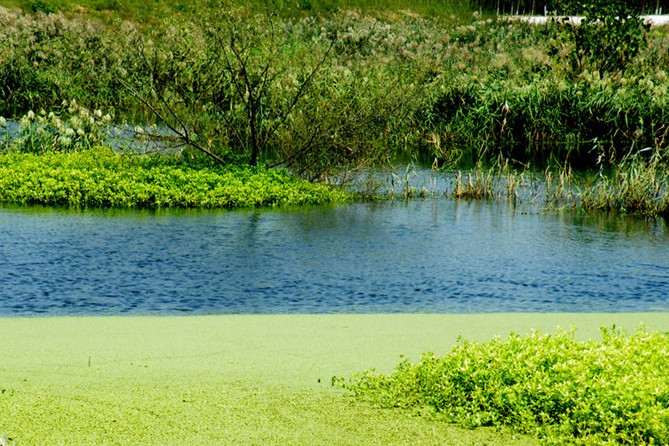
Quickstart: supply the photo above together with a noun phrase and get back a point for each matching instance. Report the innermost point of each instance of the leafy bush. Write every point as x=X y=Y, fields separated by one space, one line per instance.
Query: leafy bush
x=41 y=6
x=611 y=392
x=610 y=35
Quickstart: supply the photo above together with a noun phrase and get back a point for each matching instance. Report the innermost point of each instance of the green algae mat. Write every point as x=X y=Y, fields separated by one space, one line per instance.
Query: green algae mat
x=237 y=379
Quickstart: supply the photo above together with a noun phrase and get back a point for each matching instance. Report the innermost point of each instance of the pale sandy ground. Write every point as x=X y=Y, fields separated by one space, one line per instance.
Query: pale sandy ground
x=655 y=20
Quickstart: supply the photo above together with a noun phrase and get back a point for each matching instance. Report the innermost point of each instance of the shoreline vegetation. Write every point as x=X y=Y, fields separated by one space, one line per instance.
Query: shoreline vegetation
x=322 y=88
x=242 y=379
x=554 y=387
x=271 y=103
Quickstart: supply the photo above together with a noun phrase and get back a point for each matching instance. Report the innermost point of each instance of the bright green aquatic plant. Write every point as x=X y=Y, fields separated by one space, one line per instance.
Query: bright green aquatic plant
x=101 y=177
x=552 y=386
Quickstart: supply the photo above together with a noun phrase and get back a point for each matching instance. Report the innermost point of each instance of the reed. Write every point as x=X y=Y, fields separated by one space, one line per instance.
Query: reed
x=477 y=186
x=635 y=186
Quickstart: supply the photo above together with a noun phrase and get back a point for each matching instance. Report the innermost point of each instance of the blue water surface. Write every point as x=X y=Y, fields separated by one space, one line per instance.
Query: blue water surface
x=421 y=256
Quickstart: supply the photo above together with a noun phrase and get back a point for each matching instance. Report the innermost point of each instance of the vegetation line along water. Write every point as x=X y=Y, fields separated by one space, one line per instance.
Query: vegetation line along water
x=552 y=386
x=323 y=90
x=279 y=102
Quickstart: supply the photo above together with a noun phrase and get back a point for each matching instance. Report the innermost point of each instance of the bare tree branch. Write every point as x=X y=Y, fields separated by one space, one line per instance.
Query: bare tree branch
x=184 y=134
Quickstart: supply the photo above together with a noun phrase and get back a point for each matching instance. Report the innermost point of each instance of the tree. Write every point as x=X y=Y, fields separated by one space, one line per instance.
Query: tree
x=610 y=35
x=240 y=65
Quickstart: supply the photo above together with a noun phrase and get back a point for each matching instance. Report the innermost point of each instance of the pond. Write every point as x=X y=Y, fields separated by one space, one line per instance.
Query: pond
x=431 y=255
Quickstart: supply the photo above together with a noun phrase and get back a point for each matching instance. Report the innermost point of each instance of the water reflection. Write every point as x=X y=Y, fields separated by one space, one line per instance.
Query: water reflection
x=416 y=256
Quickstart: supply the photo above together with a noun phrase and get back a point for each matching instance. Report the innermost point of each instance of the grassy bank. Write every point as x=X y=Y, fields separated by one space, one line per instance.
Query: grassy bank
x=236 y=379
x=100 y=177
x=348 y=87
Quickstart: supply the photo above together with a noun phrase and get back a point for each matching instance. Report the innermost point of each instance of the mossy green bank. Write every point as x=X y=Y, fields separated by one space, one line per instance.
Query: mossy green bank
x=332 y=91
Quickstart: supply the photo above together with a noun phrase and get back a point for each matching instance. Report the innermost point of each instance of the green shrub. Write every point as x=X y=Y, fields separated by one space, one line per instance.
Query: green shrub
x=610 y=35
x=41 y=6
x=611 y=392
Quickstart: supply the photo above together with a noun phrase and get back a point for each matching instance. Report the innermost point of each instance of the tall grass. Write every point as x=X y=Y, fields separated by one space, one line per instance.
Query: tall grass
x=637 y=186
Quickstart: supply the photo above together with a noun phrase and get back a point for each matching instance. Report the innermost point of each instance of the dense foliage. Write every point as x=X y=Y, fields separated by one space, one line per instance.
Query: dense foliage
x=460 y=93
x=610 y=34
x=100 y=177
x=562 y=390
x=319 y=94
x=159 y=9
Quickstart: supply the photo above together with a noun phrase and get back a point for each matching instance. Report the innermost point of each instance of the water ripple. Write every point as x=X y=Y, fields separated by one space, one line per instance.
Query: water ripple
x=420 y=256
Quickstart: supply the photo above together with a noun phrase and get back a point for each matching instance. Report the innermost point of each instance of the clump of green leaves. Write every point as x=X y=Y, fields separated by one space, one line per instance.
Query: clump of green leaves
x=100 y=177
x=41 y=6
x=611 y=392
x=610 y=35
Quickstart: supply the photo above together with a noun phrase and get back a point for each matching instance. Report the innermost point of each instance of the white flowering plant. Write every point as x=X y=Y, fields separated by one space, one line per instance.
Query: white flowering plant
x=75 y=128
x=4 y=134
